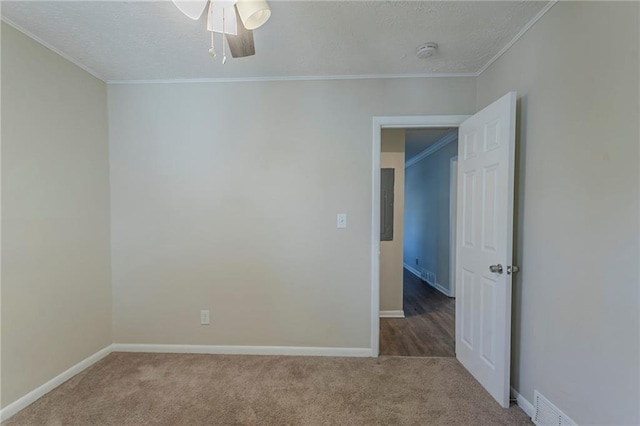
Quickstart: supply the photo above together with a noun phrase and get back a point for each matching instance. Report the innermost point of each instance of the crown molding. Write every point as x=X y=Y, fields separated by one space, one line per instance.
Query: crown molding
x=441 y=143
x=291 y=78
x=52 y=48
x=513 y=41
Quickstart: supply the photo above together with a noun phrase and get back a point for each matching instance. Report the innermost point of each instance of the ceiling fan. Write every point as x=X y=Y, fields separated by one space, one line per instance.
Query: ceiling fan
x=234 y=19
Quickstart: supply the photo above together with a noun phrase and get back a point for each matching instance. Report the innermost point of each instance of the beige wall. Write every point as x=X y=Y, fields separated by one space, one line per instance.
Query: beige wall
x=428 y=196
x=215 y=206
x=56 y=291
x=392 y=156
x=575 y=333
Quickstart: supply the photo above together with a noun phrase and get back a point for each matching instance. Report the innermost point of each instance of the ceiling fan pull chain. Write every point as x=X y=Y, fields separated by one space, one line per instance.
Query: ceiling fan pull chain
x=224 y=54
x=212 y=51
x=224 y=47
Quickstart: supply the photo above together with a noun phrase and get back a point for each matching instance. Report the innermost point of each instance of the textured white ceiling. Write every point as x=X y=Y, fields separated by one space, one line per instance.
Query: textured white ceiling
x=143 y=40
x=417 y=140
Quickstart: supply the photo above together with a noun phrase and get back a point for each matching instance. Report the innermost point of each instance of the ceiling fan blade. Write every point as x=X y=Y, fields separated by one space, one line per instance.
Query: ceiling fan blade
x=241 y=45
x=191 y=8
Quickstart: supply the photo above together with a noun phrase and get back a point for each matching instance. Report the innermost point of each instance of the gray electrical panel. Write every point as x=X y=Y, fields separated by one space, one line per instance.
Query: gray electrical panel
x=387 y=177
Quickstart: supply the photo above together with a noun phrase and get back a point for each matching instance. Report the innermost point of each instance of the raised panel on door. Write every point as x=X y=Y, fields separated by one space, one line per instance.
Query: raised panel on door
x=488 y=321
x=491 y=136
x=489 y=237
x=467 y=208
x=469 y=145
x=466 y=323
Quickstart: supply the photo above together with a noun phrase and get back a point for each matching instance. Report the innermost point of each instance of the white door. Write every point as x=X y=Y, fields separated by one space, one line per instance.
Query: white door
x=484 y=245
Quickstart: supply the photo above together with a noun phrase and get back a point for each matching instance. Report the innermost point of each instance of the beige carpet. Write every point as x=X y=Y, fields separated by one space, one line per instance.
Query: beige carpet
x=172 y=389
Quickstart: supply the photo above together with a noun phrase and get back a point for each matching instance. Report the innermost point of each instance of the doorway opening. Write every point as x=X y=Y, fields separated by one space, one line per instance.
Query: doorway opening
x=414 y=306
x=417 y=234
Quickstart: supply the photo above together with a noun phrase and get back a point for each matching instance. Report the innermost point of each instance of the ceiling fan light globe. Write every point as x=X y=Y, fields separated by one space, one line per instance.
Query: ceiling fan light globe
x=253 y=13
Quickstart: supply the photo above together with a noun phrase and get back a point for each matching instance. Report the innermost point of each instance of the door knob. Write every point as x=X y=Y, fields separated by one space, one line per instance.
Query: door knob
x=496 y=269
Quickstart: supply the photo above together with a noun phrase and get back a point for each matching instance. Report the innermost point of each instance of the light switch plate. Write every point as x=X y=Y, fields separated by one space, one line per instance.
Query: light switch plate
x=341 y=221
x=205 y=318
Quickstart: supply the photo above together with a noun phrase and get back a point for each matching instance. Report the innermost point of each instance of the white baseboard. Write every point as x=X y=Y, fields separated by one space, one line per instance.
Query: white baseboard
x=40 y=391
x=526 y=406
x=392 y=314
x=412 y=270
x=440 y=288
x=437 y=286
x=243 y=350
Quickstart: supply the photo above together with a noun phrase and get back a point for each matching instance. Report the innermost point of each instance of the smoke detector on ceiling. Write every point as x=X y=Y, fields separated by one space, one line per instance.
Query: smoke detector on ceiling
x=426 y=50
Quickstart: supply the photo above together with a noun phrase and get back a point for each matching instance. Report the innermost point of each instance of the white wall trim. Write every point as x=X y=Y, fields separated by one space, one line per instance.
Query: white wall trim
x=292 y=78
x=40 y=391
x=453 y=218
x=518 y=36
x=392 y=314
x=526 y=406
x=441 y=143
x=378 y=123
x=411 y=269
x=437 y=286
x=242 y=350
x=418 y=121
x=52 y=48
x=440 y=288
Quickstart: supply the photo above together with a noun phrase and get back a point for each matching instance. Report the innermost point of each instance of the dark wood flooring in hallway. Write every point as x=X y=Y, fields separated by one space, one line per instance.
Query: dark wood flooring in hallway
x=428 y=328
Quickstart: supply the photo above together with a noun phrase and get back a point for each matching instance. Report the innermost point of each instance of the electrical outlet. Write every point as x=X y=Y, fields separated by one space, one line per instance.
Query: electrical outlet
x=204 y=318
